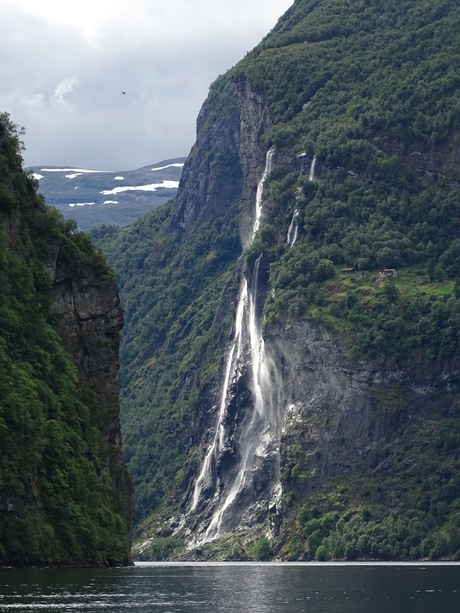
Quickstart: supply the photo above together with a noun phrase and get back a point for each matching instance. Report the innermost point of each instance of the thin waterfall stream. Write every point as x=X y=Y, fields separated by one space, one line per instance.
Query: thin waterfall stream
x=293 y=229
x=291 y=236
x=312 y=168
x=254 y=442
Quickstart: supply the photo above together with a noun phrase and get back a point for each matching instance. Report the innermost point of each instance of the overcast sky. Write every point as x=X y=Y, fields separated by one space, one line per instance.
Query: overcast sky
x=65 y=63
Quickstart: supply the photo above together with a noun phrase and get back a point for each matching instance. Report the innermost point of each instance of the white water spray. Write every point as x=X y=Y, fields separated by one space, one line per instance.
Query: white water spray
x=258 y=431
x=312 y=168
x=206 y=474
x=293 y=228
x=260 y=190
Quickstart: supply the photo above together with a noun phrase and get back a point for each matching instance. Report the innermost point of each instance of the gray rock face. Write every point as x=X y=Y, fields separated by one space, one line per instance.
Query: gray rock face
x=331 y=410
x=90 y=322
x=211 y=170
x=254 y=121
x=223 y=169
x=347 y=419
x=435 y=159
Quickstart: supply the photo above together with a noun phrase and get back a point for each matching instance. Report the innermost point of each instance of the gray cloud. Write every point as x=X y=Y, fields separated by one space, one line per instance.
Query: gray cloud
x=63 y=89
x=63 y=73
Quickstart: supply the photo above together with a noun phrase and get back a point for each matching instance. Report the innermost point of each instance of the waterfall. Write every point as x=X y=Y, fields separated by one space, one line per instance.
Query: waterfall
x=292 y=231
x=293 y=226
x=312 y=168
x=255 y=436
x=206 y=474
x=260 y=189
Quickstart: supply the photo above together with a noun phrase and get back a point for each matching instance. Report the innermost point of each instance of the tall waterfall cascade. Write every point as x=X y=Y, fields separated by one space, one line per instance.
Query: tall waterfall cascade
x=243 y=456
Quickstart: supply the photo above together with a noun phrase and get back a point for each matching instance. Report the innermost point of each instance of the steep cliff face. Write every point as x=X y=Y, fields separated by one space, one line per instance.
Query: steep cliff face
x=211 y=180
x=223 y=170
x=65 y=492
x=90 y=322
x=349 y=417
x=331 y=410
x=441 y=159
x=254 y=123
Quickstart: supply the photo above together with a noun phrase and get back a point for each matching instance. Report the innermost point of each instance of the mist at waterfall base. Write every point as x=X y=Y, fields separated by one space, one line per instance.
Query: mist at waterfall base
x=235 y=588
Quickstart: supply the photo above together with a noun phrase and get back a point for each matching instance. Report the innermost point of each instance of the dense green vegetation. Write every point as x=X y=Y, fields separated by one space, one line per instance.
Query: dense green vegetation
x=363 y=99
x=341 y=72
x=57 y=504
x=372 y=90
x=364 y=228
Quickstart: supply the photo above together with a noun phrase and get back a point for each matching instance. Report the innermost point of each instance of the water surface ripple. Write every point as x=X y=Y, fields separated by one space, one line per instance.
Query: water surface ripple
x=235 y=588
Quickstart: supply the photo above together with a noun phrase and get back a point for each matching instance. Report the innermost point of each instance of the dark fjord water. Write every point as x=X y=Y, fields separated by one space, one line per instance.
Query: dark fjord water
x=235 y=588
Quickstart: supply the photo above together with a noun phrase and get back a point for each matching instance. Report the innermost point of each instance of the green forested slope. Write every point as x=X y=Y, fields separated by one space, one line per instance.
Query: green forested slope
x=56 y=503
x=372 y=90
x=369 y=90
